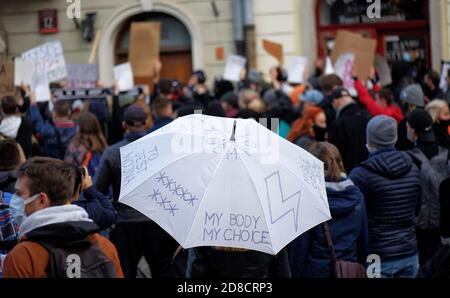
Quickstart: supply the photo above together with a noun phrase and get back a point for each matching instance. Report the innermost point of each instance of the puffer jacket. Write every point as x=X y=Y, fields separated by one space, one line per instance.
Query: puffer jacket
x=309 y=253
x=390 y=182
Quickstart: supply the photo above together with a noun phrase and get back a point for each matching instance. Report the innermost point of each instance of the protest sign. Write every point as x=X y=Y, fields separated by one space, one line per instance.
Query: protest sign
x=82 y=75
x=383 y=70
x=296 y=70
x=343 y=69
x=41 y=87
x=233 y=68
x=363 y=48
x=329 y=69
x=23 y=72
x=124 y=76
x=144 y=47
x=7 y=77
x=48 y=59
x=444 y=74
x=274 y=49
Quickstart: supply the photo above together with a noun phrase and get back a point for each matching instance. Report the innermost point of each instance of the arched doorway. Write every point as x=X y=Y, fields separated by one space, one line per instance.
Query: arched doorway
x=403 y=23
x=175 y=46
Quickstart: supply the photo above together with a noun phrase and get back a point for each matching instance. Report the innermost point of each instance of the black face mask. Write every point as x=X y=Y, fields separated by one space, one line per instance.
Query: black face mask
x=444 y=125
x=320 y=133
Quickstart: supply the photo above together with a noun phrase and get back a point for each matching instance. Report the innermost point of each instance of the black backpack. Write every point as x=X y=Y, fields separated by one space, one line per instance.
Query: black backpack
x=77 y=259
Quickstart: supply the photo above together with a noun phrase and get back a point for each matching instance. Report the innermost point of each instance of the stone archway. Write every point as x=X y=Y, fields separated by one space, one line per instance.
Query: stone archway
x=114 y=23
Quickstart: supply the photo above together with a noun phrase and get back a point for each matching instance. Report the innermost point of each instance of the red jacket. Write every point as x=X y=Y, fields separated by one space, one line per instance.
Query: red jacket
x=373 y=108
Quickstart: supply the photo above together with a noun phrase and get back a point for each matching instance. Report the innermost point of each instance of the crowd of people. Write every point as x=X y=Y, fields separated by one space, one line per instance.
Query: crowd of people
x=385 y=152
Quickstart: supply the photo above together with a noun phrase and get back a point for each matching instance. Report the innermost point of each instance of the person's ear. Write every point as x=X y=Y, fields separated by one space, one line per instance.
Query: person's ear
x=43 y=201
x=124 y=125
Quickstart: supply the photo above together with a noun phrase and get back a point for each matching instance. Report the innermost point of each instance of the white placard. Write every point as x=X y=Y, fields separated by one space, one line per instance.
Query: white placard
x=329 y=69
x=23 y=72
x=41 y=87
x=445 y=68
x=296 y=70
x=233 y=68
x=48 y=59
x=82 y=75
x=124 y=76
x=343 y=69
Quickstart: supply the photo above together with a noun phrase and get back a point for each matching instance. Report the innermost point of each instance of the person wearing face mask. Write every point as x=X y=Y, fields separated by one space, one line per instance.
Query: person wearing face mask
x=431 y=86
x=432 y=160
x=412 y=98
x=389 y=181
x=54 y=228
x=440 y=113
x=311 y=128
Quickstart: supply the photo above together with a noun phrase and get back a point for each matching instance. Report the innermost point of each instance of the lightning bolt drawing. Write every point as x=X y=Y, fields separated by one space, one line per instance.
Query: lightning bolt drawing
x=279 y=206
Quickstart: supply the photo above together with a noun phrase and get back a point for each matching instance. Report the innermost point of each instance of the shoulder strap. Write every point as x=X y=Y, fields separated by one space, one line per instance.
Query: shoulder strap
x=326 y=233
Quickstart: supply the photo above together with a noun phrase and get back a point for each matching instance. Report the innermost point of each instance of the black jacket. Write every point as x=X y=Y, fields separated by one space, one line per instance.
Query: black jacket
x=390 y=183
x=7 y=182
x=348 y=134
x=212 y=262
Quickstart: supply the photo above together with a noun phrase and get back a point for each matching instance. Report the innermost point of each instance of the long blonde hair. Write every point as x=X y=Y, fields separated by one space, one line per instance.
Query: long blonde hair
x=435 y=107
x=329 y=154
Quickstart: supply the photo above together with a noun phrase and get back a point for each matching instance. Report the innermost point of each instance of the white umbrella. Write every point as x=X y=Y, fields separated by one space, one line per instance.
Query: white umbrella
x=211 y=181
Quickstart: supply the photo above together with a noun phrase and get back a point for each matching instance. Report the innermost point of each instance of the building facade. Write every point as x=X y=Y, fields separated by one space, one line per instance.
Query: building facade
x=199 y=34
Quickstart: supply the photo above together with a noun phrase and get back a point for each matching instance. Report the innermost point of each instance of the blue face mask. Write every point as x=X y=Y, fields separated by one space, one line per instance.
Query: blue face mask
x=406 y=57
x=17 y=207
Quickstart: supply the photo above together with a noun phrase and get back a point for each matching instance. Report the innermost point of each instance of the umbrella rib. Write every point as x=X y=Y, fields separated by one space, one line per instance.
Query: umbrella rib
x=256 y=189
x=207 y=187
x=171 y=163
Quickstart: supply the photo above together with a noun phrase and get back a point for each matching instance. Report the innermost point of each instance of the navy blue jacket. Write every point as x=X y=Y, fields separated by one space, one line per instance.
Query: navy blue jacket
x=160 y=122
x=67 y=130
x=390 y=183
x=98 y=207
x=310 y=256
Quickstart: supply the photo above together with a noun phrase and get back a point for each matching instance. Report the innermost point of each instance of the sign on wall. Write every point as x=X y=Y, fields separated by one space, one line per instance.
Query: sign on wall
x=48 y=21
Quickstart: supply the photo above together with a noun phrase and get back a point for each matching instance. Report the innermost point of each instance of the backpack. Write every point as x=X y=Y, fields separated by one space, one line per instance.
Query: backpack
x=76 y=259
x=432 y=173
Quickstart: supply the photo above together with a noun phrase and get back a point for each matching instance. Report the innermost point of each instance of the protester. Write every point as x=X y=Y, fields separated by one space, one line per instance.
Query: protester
x=431 y=87
x=309 y=255
x=390 y=183
x=55 y=228
x=348 y=131
x=11 y=156
x=328 y=84
x=134 y=234
x=197 y=90
x=440 y=113
x=383 y=105
x=229 y=103
x=87 y=146
x=412 y=98
x=98 y=207
x=432 y=161
x=312 y=127
x=226 y=262
x=14 y=125
x=311 y=97
x=162 y=110
x=54 y=135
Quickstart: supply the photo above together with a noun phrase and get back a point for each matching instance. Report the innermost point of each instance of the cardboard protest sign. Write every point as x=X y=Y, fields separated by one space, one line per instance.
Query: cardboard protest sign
x=7 y=77
x=40 y=85
x=444 y=74
x=363 y=48
x=274 y=49
x=123 y=74
x=82 y=75
x=343 y=69
x=48 y=59
x=144 y=47
x=233 y=68
x=23 y=72
x=383 y=70
x=296 y=70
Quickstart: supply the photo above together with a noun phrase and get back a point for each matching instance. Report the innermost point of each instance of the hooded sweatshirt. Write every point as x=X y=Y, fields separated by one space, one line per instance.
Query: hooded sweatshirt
x=61 y=224
x=310 y=256
x=9 y=126
x=390 y=183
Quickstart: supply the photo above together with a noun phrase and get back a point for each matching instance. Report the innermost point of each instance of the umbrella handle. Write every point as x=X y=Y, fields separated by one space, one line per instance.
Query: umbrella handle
x=233 y=135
